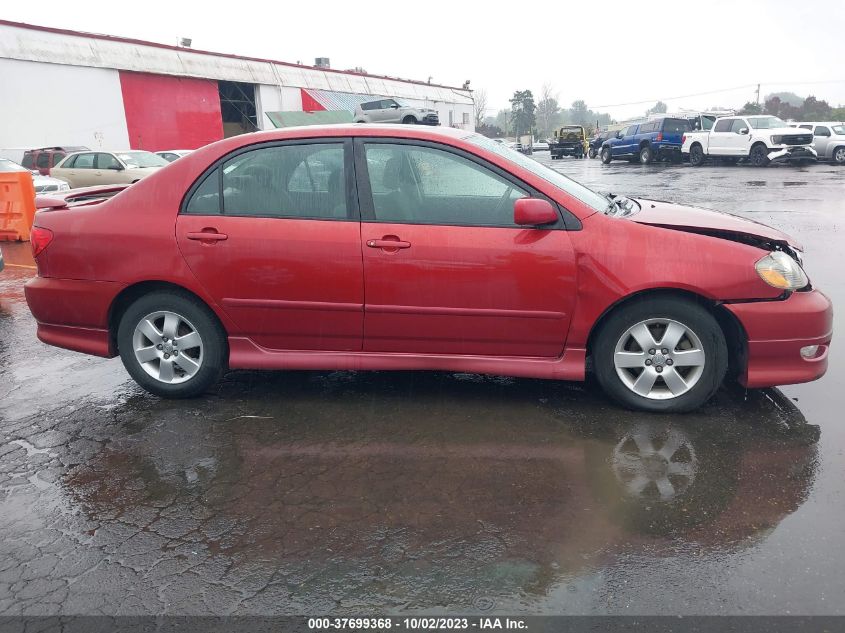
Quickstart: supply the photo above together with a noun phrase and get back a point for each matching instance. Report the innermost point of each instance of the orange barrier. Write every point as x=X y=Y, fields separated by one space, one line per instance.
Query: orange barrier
x=17 y=205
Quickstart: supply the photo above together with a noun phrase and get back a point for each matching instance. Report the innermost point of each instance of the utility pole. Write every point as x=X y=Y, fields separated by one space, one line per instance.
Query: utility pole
x=758 y=94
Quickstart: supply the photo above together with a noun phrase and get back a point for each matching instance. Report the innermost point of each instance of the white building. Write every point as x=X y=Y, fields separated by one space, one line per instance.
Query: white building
x=60 y=87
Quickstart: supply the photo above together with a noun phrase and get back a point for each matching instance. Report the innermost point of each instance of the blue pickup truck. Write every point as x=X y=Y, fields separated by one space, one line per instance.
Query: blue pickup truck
x=660 y=139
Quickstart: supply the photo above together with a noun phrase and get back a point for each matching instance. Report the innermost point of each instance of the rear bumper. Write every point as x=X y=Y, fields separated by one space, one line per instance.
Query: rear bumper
x=777 y=331
x=793 y=153
x=72 y=313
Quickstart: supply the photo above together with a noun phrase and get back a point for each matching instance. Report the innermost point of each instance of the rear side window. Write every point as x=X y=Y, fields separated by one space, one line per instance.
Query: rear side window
x=822 y=131
x=27 y=160
x=648 y=127
x=43 y=160
x=723 y=125
x=206 y=198
x=370 y=105
x=84 y=161
x=286 y=181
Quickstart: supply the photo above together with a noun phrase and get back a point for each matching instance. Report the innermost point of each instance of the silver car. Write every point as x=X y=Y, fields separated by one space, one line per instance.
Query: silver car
x=391 y=111
x=828 y=139
x=42 y=184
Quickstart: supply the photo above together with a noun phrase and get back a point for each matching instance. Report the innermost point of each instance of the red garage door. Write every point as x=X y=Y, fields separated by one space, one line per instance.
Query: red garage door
x=170 y=112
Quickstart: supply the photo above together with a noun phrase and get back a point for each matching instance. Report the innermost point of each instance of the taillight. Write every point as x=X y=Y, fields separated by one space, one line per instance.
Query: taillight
x=683 y=138
x=40 y=239
x=660 y=136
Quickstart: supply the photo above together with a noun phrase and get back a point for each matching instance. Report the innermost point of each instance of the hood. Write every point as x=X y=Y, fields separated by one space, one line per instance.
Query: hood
x=714 y=223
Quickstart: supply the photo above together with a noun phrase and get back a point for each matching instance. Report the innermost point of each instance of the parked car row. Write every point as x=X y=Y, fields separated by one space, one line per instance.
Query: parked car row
x=755 y=139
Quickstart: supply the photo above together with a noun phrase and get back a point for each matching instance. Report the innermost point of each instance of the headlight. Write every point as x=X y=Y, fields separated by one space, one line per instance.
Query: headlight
x=777 y=139
x=781 y=271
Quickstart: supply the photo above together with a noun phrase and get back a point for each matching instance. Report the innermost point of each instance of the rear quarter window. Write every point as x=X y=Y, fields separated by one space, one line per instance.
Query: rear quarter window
x=27 y=160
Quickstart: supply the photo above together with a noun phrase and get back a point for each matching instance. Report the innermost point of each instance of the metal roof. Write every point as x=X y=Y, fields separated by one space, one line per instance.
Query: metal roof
x=62 y=46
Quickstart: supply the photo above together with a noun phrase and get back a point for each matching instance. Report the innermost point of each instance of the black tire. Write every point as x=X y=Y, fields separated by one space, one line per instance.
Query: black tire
x=214 y=347
x=409 y=120
x=839 y=155
x=593 y=153
x=759 y=156
x=695 y=318
x=606 y=156
x=646 y=155
x=696 y=155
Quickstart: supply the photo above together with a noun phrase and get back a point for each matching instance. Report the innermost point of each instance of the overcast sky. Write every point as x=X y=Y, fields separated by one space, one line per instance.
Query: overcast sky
x=606 y=52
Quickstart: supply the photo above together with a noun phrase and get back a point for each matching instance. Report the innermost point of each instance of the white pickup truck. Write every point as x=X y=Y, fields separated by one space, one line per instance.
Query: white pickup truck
x=759 y=139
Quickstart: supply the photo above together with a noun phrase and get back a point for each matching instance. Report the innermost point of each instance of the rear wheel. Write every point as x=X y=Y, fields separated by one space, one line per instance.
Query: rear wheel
x=172 y=345
x=606 y=157
x=662 y=355
x=696 y=156
x=839 y=155
x=592 y=152
x=759 y=156
x=646 y=155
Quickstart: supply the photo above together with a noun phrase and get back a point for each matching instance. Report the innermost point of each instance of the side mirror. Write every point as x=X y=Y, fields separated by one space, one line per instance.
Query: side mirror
x=533 y=212
x=394 y=105
x=743 y=130
x=619 y=134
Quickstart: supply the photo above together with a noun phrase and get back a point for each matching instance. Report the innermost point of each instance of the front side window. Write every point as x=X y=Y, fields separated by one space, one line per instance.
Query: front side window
x=839 y=129
x=285 y=181
x=738 y=125
x=421 y=185
x=107 y=161
x=594 y=200
x=84 y=161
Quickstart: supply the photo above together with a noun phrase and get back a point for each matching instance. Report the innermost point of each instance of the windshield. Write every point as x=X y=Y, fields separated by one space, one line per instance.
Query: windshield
x=765 y=122
x=142 y=159
x=10 y=165
x=838 y=129
x=589 y=197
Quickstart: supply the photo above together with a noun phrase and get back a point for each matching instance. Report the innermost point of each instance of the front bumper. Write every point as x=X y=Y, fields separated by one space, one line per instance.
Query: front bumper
x=777 y=331
x=793 y=153
x=430 y=119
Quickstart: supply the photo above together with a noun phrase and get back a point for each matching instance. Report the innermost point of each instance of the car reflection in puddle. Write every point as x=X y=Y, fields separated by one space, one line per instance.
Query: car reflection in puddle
x=474 y=486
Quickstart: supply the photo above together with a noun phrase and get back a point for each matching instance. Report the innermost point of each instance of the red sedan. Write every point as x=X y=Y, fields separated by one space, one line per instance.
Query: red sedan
x=379 y=247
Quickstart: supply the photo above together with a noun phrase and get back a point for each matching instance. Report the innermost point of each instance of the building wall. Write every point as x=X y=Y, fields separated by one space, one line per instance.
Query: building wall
x=275 y=99
x=170 y=112
x=51 y=104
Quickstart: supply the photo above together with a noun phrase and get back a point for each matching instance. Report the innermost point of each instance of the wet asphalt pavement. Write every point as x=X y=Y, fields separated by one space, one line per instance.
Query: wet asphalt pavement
x=350 y=493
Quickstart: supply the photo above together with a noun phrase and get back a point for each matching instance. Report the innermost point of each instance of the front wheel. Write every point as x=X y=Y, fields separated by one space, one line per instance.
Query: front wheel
x=592 y=152
x=172 y=345
x=759 y=156
x=661 y=355
x=409 y=120
x=606 y=156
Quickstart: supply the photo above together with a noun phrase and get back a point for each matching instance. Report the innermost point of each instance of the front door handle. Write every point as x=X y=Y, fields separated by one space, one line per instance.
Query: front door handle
x=388 y=242
x=207 y=235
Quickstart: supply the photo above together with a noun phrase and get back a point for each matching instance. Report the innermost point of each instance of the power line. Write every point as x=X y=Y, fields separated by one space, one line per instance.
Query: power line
x=712 y=92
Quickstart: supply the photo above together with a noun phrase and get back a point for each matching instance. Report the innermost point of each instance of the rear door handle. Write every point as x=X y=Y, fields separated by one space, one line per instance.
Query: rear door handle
x=394 y=244
x=207 y=235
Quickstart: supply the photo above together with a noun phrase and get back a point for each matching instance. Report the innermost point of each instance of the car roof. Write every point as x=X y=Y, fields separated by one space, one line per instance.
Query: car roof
x=356 y=129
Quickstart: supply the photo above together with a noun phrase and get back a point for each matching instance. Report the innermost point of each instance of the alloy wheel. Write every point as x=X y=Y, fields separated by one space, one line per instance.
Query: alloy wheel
x=659 y=359
x=168 y=347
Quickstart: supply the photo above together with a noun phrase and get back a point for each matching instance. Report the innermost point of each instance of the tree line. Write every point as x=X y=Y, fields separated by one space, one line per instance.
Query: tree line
x=788 y=105
x=539 y=118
